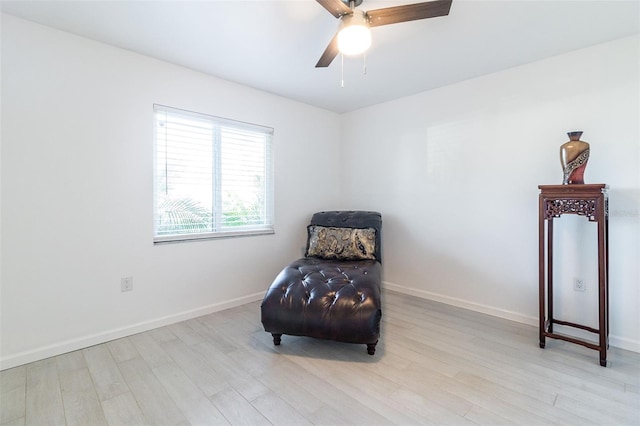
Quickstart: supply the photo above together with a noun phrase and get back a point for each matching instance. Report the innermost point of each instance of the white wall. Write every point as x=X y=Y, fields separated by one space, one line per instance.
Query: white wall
x=77 y=152
x=455 y=172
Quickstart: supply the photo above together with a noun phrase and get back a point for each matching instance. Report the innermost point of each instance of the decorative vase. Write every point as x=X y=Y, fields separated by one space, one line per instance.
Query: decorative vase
x=573 y=157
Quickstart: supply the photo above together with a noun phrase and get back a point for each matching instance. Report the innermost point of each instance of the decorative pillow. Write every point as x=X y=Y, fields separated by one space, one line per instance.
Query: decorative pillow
x=341 y=243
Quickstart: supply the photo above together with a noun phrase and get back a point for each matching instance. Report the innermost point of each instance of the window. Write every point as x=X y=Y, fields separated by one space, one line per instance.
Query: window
x=213 y=177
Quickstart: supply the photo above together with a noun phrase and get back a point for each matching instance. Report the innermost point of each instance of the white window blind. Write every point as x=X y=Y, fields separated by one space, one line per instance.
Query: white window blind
x=213 y=176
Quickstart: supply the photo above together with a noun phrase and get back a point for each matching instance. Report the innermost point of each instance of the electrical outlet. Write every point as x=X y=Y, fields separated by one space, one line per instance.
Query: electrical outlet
x=579 y=284
x=126 y=284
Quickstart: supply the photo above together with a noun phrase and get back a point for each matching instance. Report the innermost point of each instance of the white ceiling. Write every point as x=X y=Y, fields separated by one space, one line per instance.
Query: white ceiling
x=274 y=45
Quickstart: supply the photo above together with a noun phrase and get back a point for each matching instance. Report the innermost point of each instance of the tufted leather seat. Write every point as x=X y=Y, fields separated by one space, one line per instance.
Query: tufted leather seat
x=328 y=299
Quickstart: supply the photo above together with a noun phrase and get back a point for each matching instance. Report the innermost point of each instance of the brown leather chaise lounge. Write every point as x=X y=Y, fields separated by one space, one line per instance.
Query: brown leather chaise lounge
x=334 y=291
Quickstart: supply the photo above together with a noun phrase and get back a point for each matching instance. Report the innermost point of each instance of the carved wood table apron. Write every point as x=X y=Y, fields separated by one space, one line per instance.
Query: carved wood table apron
x=589 y=200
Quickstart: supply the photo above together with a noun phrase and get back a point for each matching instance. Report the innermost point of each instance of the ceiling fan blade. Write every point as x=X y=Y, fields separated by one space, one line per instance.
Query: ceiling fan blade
x=335 y=7
x=409 y=12
x=329 y=53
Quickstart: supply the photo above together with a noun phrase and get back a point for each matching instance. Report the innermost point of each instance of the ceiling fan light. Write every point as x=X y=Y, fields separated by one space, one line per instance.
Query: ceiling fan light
x=354 y=36
x=354 y=40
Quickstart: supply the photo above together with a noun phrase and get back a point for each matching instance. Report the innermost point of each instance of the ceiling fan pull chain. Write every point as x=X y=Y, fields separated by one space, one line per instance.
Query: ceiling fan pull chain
x=341 y=69
x=364 y=63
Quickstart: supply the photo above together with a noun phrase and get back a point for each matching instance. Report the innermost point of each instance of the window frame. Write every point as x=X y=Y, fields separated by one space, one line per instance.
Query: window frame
x=217 y=224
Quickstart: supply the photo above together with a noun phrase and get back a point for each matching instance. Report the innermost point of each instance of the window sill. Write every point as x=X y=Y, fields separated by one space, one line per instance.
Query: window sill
x=168 y=239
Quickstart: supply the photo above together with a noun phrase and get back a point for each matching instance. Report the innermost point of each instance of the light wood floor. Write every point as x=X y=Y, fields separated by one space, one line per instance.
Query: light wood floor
x=435 y=364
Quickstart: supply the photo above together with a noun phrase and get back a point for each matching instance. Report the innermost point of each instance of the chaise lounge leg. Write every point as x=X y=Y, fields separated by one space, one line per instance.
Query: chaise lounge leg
x=371 y=348
x=276 y=338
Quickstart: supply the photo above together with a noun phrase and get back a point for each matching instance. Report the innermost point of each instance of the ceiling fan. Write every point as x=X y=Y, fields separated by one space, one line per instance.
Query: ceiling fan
x=354 y=37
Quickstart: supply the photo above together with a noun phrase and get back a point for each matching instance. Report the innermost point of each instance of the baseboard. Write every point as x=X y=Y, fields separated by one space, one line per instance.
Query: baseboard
x=106 y=336
x=461 y=303
x=618 y=342
x=624 y=343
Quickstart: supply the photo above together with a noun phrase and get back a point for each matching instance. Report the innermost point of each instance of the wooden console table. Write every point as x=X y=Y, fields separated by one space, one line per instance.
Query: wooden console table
x=584 y=200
